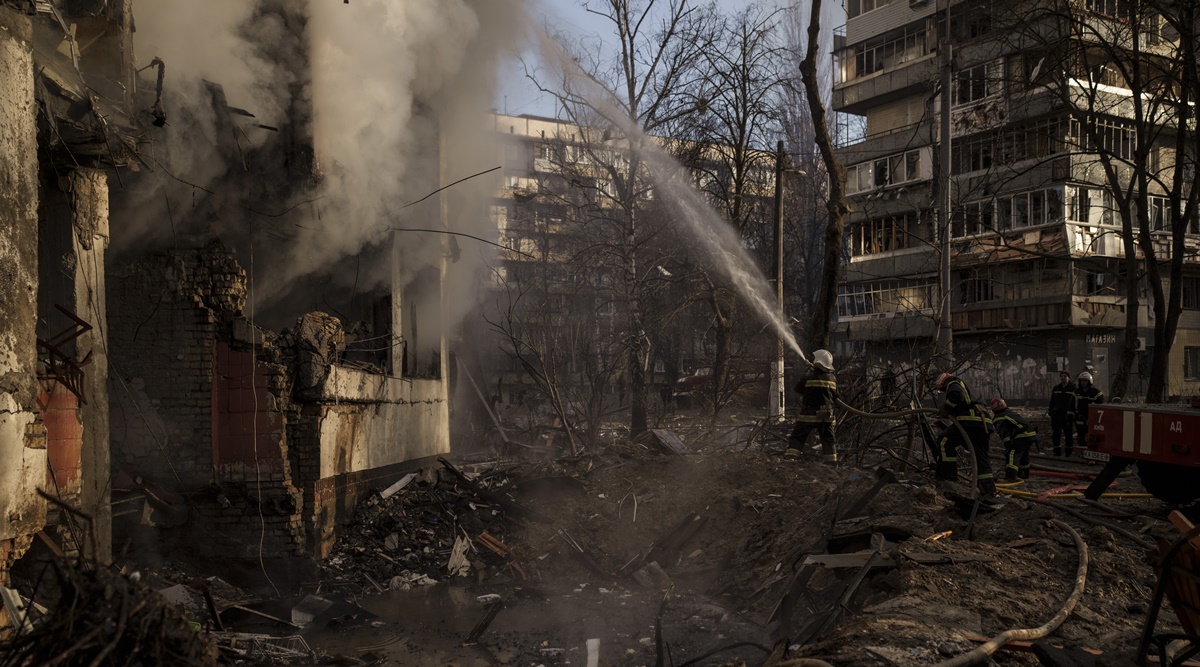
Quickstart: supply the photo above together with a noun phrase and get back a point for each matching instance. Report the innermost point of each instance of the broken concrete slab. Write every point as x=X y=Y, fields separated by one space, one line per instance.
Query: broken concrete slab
x=664 y=441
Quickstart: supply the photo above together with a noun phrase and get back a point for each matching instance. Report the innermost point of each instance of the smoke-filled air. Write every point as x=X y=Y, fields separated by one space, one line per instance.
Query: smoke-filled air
x=299 y=132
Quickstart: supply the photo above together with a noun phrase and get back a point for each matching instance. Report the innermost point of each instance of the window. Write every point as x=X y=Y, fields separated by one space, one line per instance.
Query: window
x=1081 y=204
x=885 y=171
x=1116 y=138
x=975 y=286
x=1191 y=363
x=888 y=51
x=883 y=234
x=1096 y=283
x=1113 y=8
x=972 y=219
x=1191 y=293
x=859 y=7
x=1160 y=214
x=975 y=83
x=887 y=296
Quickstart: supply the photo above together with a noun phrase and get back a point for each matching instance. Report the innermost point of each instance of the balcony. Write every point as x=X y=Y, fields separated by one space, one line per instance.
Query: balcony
x=903 y=79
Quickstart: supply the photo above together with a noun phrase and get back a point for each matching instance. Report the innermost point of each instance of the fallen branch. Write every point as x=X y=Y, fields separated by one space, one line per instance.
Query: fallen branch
x=981 y=653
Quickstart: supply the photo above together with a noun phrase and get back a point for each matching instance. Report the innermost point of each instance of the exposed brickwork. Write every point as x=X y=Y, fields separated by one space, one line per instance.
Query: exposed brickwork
x=59 y=409
x=171 y=322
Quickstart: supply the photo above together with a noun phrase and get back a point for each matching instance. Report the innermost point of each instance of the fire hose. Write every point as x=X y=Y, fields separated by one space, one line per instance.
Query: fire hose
x=916 y=411
x=981 y=652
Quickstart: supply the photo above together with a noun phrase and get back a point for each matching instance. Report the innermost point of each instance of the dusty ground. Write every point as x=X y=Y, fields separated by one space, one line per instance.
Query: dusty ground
x=529 y=556
x=605 y=515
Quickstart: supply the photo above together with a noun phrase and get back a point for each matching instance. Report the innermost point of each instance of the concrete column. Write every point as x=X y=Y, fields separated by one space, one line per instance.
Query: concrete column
x=22 y=441
x=89 y=220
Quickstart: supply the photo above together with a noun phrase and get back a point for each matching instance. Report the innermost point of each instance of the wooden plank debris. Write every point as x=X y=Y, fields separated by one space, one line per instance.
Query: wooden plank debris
x=883 y=477
x=509 y=506
x=481 y=627
x=395 y=488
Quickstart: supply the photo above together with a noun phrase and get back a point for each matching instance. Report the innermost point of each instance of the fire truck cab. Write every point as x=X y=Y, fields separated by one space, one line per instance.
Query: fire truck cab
x=1163 y=440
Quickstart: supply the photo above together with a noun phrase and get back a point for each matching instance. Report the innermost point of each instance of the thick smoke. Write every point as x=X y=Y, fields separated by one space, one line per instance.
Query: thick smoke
x=367 y=85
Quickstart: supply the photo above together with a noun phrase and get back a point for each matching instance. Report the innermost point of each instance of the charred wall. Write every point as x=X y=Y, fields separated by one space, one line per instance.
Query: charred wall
x=199 y=413
x=22 y=441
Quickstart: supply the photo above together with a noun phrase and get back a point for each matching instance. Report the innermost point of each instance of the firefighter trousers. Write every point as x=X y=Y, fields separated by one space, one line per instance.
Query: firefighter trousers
x=1063 y=429
x=949 y=442
x=1016 y=459
x=824 y=428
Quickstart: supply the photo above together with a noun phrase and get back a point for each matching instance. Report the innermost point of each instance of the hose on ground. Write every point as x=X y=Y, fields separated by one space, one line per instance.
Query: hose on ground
x=1066 y=496
x=981 y=652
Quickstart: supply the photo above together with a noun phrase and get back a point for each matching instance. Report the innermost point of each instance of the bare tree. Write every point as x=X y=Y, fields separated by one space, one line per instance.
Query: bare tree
x=624 y=96
x=744 y=73
x=837 y=206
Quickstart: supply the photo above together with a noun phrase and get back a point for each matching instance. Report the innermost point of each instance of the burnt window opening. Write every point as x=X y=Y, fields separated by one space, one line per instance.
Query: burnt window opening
x=421 y=315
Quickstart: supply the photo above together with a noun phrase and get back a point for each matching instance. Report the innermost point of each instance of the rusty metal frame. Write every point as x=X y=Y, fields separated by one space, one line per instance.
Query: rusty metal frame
x=59 y=366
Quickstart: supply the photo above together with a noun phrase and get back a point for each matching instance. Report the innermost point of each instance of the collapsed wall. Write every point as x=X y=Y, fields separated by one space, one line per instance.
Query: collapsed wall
x=236 y=435
x=198 y=416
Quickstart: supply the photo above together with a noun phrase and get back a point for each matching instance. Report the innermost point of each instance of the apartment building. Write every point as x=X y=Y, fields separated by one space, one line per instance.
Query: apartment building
x=1035 y=231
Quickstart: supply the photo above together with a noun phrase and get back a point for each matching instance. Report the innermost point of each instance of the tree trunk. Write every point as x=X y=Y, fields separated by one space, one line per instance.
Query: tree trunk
x=837 y=206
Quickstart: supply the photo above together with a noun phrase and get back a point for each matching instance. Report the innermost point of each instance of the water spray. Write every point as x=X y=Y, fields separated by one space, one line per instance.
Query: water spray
x=717 y=238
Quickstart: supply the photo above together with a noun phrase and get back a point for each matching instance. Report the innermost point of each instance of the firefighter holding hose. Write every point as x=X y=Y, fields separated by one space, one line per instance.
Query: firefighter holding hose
x=1018 y=437
x=818 y=396
x=962 y=407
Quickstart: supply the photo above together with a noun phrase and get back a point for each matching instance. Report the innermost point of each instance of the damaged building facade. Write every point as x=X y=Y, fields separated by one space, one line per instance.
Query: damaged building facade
x=1035 y=236
x=66 y=99
x=245 y=433
x=141 y=386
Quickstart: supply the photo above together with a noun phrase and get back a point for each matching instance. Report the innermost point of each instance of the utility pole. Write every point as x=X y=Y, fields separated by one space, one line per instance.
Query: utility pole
x=944 y=348
x=776 y=390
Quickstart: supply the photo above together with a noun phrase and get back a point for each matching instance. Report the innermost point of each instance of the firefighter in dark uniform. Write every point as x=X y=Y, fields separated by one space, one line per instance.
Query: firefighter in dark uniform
x=975 y=422
x=1062 y=414
x=818 y=396
x=1018 y=437
x=1085 y=395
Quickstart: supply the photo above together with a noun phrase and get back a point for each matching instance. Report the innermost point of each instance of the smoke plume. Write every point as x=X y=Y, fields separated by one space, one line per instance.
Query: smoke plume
x=358 y=108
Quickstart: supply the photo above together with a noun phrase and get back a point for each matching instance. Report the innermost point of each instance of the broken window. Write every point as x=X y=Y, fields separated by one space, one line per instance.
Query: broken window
x=1081 y=204
x=975 y=286
x=1160 y=214
x=975 y=83
x=883 y=234
x=886 y=296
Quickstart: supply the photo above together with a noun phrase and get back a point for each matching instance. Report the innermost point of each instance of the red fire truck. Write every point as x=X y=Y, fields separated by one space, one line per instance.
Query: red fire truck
x=1163 y=440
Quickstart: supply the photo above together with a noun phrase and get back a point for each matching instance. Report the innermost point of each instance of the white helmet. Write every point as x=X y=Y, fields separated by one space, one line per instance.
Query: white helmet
x=1086 y=376
x=823 y=360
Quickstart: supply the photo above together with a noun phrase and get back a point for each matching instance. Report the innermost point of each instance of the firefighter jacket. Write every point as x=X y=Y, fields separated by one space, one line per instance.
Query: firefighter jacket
x=1084 y=398
x=962 y=407
x=818 y=395
x=1062 y=400
x=1013 y=429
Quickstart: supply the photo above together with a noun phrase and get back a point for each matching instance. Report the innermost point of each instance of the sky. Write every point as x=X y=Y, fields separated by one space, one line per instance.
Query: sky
x=517 y=96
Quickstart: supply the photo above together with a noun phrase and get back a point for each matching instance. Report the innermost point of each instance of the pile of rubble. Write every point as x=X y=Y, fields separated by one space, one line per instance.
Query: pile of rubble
x=431 y=525
x=92 y=615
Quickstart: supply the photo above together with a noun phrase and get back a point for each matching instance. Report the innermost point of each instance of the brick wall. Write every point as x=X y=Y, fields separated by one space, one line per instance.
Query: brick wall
x=191 y=406
x=59 y=409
